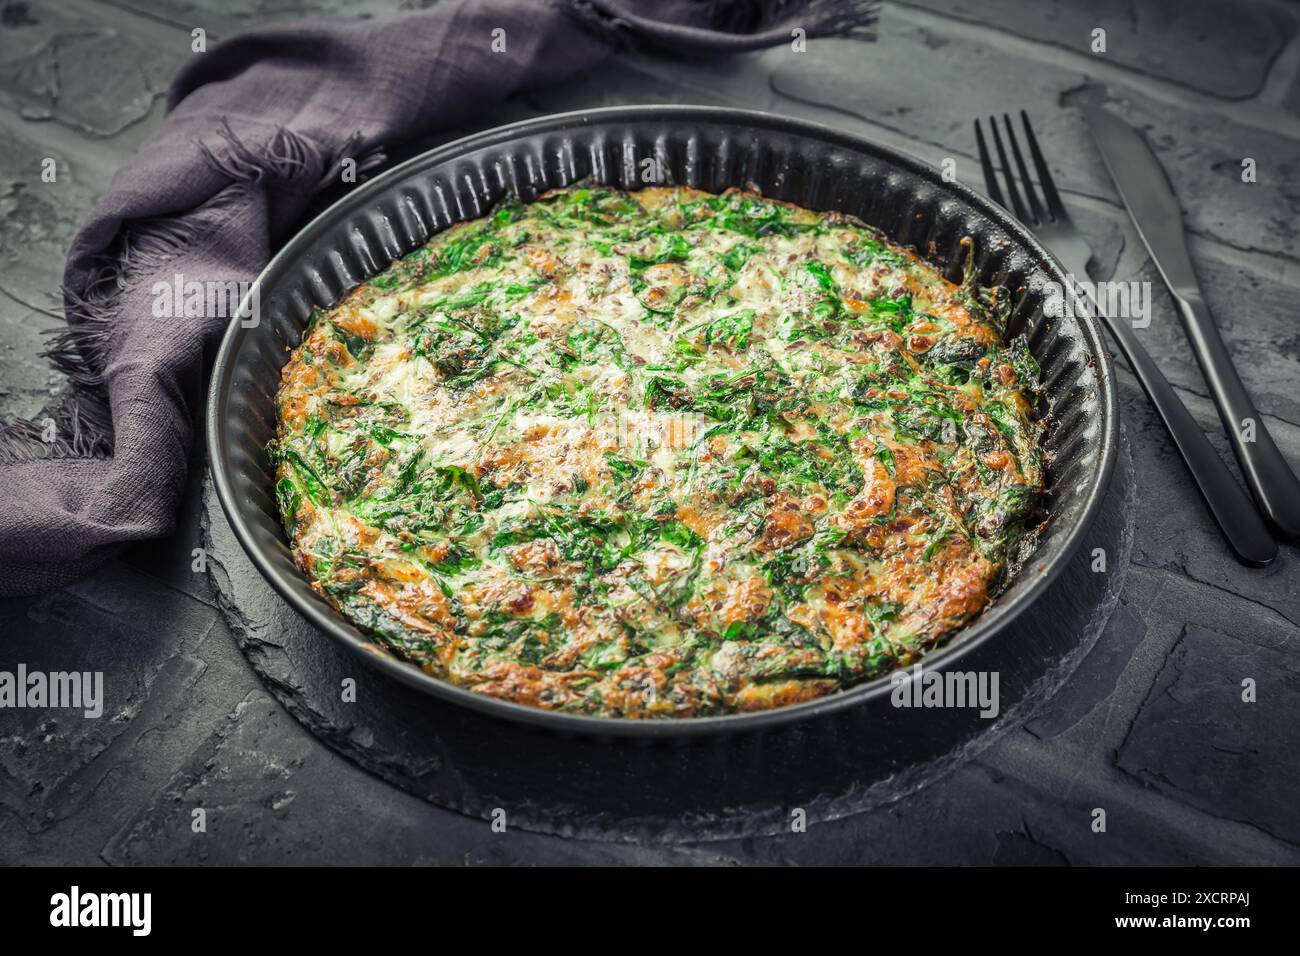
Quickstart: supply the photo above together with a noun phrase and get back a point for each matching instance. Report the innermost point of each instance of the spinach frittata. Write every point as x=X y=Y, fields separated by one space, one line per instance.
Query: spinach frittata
x=659 y=454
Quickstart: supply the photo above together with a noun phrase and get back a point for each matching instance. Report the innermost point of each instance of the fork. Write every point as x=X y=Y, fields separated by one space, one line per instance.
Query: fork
x=1048 y=219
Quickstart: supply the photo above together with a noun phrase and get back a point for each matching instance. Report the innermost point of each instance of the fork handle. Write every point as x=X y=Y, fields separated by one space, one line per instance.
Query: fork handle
x=1266 y=471
x=1231 y=506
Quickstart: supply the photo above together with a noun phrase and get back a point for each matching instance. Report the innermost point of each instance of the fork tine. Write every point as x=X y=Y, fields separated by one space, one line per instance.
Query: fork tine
x=986 y=164
x=1054 y=205
x=1026 y=183
x=1017 y=205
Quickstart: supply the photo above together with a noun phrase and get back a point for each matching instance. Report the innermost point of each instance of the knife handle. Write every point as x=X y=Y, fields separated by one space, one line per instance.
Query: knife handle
x=1270 y=477
x=1228 y=501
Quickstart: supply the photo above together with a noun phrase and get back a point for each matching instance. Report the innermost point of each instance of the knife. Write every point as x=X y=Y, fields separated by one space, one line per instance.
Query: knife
x=1154 y=209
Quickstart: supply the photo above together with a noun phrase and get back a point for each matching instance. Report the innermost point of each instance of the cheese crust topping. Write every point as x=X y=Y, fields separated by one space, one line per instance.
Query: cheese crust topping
x=659 y=454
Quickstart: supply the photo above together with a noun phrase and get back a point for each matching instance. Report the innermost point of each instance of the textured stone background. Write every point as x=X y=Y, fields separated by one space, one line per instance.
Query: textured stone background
x=1152 y=728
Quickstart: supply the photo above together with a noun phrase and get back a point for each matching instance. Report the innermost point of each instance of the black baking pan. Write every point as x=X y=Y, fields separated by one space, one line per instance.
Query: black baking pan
x=706 y=148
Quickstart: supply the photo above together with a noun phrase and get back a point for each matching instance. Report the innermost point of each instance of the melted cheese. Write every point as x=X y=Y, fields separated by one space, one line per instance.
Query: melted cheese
x=658 y=454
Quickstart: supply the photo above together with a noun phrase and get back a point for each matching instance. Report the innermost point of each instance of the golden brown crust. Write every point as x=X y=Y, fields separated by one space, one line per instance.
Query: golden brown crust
x=660 y=454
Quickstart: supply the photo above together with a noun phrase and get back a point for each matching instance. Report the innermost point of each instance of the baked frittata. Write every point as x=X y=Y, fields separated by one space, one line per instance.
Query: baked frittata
x=659 y=454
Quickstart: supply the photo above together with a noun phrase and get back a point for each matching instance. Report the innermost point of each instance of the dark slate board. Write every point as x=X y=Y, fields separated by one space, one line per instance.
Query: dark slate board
x=736 y=786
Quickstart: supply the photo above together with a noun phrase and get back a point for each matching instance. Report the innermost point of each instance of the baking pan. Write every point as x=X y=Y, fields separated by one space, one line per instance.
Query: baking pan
x=710 y=149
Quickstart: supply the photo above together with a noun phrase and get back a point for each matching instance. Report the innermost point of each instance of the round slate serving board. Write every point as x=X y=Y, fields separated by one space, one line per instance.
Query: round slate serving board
x=735 y=786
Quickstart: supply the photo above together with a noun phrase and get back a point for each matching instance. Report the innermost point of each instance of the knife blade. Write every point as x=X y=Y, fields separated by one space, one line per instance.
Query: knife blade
x=1154 y=208
x=1148 y=195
